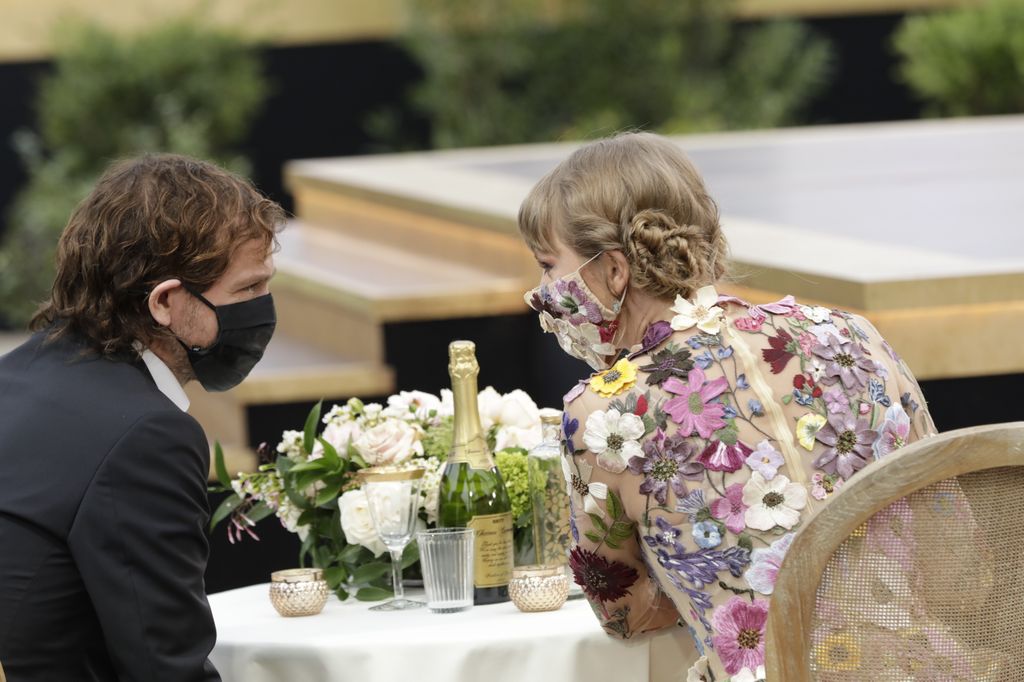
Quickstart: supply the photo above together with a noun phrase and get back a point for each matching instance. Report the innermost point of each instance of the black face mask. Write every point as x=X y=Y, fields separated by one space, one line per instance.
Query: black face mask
x=243 y=332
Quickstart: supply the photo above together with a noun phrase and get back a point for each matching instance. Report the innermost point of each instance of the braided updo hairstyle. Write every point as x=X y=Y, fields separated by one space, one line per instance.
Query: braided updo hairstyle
x=637 y=193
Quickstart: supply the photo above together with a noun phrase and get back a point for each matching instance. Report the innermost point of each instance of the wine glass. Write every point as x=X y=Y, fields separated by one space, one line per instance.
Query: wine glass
x=393 y=497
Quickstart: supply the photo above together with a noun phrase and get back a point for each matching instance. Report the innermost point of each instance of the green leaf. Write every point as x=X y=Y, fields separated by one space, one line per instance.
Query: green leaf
x=614 y=505
x=370 y=571
x=309 y=432
x=224 y=509
x=298 y=500
x=787 y=399
x=614 y=544
x=373 y=594
x=306 y=548
x=317 y=465
x=621 y=530
x=218 y=464
x=745 y=542
x=341 y=593
x=335 y=575
x=259 y=512
x=598 y=522
x=331 y=457
x=410 y=555
x=351 y=553
x=593 y=537
x=304 y=479
x=326 y=497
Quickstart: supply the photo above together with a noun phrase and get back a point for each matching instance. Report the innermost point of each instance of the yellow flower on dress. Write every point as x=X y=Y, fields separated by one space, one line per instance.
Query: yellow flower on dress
x=621 y=377
x=807 y=428
x=840 y=651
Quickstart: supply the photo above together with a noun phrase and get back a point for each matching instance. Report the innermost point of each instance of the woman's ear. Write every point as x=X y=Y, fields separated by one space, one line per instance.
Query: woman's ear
x=160 y=301
x=617 y=273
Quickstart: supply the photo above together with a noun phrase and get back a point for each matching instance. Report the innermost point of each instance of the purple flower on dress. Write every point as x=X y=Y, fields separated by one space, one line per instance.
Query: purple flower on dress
x=895 y=431
x=724 y=353
x=742 y=383
x=755 y=407
x=692 y=407
x=718 y=456
x=836 y=401
x=765 y=562
x=654 y=336
x=578 y=308
x=694 y=342
x=765 y=460
x=662 y=467
x=576 y=391
x=704 y=360
x=730 y=509
x=569 y=429
x=850 y=442
x=693 y=504
x=845 y=361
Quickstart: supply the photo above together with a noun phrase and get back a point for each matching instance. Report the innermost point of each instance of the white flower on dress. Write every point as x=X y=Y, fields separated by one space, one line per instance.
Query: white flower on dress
x=772 y=503
x=817 y=314
x=821 y=332
x=583 y=492
x=614 y=437
x=390 y=442
x=699 y=671
x=356 y=522
x=765 y=563
x=703 y=313
x=746 y=675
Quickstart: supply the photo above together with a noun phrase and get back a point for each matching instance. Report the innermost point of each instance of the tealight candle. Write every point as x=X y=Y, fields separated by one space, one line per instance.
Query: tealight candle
x=539 y=587
x=298 y=591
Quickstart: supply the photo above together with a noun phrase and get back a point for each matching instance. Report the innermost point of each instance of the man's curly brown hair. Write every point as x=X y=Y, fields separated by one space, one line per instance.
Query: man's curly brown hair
x=148 y=219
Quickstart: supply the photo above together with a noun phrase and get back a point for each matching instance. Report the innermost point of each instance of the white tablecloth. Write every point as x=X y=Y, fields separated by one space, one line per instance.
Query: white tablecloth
x=495 y=643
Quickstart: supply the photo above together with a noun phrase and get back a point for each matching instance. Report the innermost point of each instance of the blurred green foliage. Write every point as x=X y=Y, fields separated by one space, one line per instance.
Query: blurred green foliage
x=498 y=72
x=178 y=88
x=968 y=61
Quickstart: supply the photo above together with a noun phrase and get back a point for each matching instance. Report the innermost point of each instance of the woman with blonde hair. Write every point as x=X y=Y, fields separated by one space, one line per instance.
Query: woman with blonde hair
x=712 y=428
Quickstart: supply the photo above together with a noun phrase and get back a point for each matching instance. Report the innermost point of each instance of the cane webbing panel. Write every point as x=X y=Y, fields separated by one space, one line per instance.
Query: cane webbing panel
x=929 y=589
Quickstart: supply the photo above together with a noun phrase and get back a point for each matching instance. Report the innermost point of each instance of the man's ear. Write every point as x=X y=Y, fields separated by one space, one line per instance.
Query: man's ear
x=617 y=272
x=160 y=301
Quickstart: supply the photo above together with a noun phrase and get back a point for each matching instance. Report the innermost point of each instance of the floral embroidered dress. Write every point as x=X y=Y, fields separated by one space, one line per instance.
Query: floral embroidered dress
x=692 y=462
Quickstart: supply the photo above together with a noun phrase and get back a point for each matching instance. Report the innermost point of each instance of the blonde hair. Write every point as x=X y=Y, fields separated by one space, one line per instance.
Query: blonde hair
x=637 y=193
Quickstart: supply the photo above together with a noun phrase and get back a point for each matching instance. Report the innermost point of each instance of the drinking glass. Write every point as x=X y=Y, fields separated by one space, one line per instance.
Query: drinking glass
x=393 y=497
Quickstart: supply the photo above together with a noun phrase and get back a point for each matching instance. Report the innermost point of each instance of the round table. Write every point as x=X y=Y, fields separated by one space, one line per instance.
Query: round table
x=496 y=643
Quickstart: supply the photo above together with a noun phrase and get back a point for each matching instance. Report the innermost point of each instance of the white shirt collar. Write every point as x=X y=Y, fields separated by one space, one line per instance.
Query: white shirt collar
x=165 y=380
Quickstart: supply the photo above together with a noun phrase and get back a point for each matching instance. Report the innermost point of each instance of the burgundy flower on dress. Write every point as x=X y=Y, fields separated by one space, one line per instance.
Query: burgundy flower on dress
x=663 y=467
x=845 y=361
x=601 y=579
x=692 y=408
x=730 y=509
x=850 y=442
x=718 y=456
x=739 y=633
x=655 y=335
x=781 y=350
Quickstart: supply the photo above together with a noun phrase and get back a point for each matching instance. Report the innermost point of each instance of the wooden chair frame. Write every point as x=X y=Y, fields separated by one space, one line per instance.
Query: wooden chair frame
x=907 y=470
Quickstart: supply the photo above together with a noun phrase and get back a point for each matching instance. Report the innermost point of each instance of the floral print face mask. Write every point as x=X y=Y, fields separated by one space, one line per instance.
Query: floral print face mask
x=585 y=327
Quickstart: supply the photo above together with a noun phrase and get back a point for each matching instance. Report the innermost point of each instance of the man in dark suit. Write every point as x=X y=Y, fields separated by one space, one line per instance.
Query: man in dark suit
x=162 y=278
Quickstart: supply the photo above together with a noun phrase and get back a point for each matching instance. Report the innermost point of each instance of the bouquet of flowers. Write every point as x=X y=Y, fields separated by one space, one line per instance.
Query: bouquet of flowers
x=311 y=482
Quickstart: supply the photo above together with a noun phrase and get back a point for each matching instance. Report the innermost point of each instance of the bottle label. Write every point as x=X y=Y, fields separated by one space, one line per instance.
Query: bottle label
x=492 y=560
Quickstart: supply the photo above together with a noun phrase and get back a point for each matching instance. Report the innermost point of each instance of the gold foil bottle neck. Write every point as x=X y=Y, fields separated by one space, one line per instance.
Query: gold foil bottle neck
x=462 y=359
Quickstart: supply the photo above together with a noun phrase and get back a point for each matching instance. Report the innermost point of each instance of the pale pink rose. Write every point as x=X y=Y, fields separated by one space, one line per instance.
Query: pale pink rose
x=390 y=442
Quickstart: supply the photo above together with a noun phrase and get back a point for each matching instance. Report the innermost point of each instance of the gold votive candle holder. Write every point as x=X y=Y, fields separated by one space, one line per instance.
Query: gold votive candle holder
x=539 y=587
x=298 y=591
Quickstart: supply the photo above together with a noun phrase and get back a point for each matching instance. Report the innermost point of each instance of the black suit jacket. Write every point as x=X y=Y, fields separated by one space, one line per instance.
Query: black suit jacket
x=103 y=510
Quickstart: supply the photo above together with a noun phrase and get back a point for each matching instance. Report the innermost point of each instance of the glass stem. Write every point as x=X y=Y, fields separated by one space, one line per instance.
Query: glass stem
x=396 y=573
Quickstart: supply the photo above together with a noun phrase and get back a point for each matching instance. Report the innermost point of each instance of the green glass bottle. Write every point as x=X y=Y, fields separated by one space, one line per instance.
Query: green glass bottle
x=472 y=493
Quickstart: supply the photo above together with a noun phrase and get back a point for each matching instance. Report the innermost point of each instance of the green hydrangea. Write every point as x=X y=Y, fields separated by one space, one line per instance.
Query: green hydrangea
x=437 y=441
x=512 y=465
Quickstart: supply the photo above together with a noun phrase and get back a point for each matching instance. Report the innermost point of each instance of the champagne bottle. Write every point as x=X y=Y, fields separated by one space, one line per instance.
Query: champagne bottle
x=472 y=493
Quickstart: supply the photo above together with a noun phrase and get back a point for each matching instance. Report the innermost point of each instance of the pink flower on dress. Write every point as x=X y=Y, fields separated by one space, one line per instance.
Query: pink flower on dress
x=806 y=340
x=895 y=431
x=718 y=456
x=739 y=633
x=765 y=562
x=823 y=485
x=730 y=509
x=692 y=408
x=749 y=324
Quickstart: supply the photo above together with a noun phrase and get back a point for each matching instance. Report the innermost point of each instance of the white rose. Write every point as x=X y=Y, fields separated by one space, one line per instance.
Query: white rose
x=519 y=410
x=410 y=405
x=515 y=437
x=340 y=434
x=390 y=442
x=490 y=403
x=447 y=407
x=356 y=522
